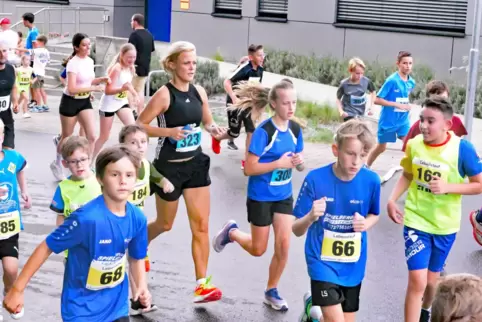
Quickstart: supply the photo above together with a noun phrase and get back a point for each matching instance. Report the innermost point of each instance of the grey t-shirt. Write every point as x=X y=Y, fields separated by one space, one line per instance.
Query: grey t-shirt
x=354 y=96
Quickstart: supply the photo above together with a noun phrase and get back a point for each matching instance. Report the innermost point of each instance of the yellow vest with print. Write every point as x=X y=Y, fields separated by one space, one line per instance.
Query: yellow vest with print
x=425 y=211
x=142 y=189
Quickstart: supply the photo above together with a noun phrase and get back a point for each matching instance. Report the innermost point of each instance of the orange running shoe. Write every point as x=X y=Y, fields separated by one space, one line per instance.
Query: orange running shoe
x=206 y=292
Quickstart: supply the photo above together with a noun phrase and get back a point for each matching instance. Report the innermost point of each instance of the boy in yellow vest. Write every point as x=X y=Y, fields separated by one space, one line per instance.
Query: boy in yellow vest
x=435 y=166
x=82 y=186
x=136 y=138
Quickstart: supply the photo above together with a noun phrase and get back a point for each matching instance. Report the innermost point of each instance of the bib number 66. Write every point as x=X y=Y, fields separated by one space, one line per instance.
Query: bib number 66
x=343 y=249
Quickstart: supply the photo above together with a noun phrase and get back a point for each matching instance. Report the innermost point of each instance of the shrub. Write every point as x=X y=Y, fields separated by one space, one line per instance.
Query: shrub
x=207 y=75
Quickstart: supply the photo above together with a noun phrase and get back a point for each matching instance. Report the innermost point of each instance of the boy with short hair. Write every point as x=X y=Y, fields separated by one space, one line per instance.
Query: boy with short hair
x=337 y=204
x=82 y=186
x=97 y=236
x=394 y=95
x=41 y=57
x=136 y=138
x=458 y=298
x=12 y=178
x=435 y=166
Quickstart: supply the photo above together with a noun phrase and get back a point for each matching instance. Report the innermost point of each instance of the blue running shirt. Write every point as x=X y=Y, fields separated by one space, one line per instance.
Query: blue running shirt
x=334 y=252
x=95 y=287
x=270 y=143
x=395 y=89
x=10 y=214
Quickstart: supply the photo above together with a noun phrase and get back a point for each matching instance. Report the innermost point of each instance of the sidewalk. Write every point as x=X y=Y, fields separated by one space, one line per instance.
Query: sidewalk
x=316 y=154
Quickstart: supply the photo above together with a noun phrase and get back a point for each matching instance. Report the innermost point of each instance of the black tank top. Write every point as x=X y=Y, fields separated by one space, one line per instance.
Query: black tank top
x=185 y=109
x=7 y=80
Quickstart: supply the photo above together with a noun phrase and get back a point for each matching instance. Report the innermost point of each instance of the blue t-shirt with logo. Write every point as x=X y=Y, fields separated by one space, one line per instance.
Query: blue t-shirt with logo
x=95 y=284
x=31 y=37
x=395 y=89
x=334 y=252
x=12 y=163
x=270 y=143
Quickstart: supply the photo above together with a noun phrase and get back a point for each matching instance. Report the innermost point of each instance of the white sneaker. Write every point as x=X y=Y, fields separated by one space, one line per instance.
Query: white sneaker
x=26 y=116
x=390 y=174
x=57 y=171
x=18 y=316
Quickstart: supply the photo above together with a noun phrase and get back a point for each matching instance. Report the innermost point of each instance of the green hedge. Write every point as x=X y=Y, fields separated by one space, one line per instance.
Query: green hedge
x=330 y=71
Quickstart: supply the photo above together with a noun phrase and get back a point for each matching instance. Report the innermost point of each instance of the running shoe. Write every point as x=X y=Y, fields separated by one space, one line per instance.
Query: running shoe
x=26 y=116
x=216 y=145
x=274 y=300
x=206 y=292
x=45 y=108
x=310 y=313
x=32 y=104
x=384 y=179
x=34 y=109
x=56 y=139
x=57 y=171
x=232 y=146
x=424 y=316
x=221 y=239
x=242 y=164
x=19 y=315
x=476 y=227
x=137 y=308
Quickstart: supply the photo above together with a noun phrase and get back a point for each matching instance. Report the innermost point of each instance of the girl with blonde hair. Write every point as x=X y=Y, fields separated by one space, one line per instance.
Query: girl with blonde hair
x=115 y=101
x=180 y=107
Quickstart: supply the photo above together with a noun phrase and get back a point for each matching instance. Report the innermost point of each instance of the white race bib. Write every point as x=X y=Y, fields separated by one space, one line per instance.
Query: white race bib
x=9 y=224
x=358 y=100
x=402 y=100
x=4 y=103
x=106 y=274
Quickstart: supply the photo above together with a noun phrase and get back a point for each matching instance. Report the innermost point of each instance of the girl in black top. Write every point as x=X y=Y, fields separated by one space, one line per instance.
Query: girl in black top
x=180 y=108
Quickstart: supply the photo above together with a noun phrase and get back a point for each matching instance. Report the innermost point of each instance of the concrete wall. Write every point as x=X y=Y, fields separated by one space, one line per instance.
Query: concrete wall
x=118 y=13
x=310 y=30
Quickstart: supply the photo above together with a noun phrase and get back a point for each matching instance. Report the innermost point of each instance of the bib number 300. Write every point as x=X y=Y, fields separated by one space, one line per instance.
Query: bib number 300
x=104 y=274
x=281 y=177
x=191 y=142
x=341 y=247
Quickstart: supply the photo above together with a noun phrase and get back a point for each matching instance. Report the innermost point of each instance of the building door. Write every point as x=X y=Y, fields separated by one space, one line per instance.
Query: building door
x=159 y=19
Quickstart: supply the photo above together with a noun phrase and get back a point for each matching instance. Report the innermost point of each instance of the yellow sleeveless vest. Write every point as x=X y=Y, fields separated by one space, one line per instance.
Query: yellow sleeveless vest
x=142 y=189
x=425 y=211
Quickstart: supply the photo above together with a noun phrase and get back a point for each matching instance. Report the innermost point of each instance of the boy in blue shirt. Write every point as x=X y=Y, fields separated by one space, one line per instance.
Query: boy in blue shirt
x=337 y=204
x=394 y=95
x=12 y=177
x=97 y=236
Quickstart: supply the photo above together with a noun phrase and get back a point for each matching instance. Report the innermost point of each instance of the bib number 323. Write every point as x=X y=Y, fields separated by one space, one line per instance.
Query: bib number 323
x=191 y=142
x=341 y=247
x=106 y=274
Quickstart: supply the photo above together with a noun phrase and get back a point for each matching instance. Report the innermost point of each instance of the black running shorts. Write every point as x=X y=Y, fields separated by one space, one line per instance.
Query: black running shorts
x=328 y=294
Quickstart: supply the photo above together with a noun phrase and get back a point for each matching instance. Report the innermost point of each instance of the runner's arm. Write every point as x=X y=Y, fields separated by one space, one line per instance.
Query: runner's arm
x=110 y=89
x=207 y=119
x=339 y=95
x=254 y=168
x=228 y=87
x=15 y=94
x=471 y=167
x=303 y=207
x=384 y=102
x=59 y=220
x=72 y=85
x=138 y=270
x=404 y=182
x=158 y=104
x=34 y=262
x=22 y=182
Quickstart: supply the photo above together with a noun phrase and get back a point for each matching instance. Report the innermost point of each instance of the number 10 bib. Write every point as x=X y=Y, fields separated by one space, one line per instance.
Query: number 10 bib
x=106 y=274
x=341 y=247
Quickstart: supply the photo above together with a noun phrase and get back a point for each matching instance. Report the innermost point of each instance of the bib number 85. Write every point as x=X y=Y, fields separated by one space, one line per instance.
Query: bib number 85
x=111 y=277
x=7 y=226
x=340 y=248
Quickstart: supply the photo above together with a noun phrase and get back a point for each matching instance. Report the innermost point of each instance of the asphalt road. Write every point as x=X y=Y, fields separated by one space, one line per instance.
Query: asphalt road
x=241 y=277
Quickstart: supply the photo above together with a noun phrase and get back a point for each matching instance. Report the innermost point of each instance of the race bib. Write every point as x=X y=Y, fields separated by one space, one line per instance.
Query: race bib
x=280 y=177
x=358 y=100
x=9 y=224
x=81 y=96
x=191 y=142
x=121 y=95
x=424 y=171
x=139 y=195
x=24 y=81
x=255 y=80
x=106 y=274
x=4 y=103
x=402 y=100
x=341 y=247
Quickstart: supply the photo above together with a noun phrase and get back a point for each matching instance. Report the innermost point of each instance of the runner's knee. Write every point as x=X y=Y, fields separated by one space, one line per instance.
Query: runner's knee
x=417 y=282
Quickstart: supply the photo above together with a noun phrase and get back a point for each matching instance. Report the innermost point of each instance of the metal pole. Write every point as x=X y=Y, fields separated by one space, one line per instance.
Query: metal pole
x=473 y=69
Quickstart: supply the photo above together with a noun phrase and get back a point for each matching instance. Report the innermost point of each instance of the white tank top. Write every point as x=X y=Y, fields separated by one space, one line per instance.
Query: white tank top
x=112 y=103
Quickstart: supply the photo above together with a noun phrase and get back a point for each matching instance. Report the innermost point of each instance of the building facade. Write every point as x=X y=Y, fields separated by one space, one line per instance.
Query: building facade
x=437 y=32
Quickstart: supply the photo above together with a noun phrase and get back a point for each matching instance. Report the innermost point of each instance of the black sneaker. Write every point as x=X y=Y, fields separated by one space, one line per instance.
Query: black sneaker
x=232 y=146
x=138 y=309
x=424 y=316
